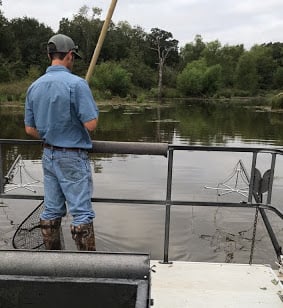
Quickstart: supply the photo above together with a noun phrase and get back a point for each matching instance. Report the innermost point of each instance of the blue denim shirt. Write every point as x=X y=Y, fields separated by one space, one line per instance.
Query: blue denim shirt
x=57 y=105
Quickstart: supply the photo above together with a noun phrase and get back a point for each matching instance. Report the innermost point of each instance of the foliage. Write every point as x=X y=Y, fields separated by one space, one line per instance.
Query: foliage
x=31 y=39
x=192 y=51
x=84 y=29
x=166 y=47
x=191 y=80
x=228 y=59
x=278 y=78
x=163 y=44
x=142 y=75
x=4 y=70
x=277 y=101
x=199 y=79
x=212 y=53
x=265 y=65
x=246 y=77
x=111 y=77
x=212 y=79
x=134 y=64
x=11 y=92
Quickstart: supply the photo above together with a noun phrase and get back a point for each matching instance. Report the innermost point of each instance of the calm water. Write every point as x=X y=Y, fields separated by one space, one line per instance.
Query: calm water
x=197 y=234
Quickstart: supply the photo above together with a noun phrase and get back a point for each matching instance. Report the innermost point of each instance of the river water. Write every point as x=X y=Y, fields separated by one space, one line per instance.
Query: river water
x=197 y=233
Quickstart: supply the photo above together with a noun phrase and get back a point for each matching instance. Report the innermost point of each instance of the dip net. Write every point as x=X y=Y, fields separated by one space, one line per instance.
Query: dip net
x=28 y=235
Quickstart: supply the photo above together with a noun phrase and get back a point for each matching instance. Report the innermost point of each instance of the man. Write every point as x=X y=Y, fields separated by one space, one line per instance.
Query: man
x=61 y=111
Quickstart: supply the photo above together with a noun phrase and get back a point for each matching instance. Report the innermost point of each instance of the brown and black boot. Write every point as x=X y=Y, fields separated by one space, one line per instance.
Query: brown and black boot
x=83 y=235
x=50 y=230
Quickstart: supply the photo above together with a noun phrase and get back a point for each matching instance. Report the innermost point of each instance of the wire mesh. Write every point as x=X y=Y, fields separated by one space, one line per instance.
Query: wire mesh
x=28 y=235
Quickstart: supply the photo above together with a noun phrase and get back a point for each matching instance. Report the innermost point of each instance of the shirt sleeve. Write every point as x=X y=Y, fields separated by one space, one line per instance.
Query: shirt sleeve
x=29 y=116
x=86 y=107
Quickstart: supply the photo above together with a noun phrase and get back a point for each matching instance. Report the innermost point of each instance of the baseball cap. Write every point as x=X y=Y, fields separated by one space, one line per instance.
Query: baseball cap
x=62 y=43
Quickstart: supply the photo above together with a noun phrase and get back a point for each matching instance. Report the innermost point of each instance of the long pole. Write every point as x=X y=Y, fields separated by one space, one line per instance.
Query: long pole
x=100 y=40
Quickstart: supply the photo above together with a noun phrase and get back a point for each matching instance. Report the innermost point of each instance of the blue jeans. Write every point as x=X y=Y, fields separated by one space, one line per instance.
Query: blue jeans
x=67 y=179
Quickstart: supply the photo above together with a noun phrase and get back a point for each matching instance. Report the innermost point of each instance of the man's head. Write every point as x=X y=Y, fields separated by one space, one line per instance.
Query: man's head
x=61 y=43
x=62 y=48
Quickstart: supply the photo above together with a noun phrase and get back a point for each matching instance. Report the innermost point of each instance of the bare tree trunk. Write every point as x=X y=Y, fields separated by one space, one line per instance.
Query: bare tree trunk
x=160 y=79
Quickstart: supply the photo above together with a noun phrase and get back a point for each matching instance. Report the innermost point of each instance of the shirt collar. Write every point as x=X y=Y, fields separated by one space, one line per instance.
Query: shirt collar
x=57 y=68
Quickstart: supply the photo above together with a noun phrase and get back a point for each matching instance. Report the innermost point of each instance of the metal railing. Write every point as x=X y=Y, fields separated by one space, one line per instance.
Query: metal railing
x=255 y=199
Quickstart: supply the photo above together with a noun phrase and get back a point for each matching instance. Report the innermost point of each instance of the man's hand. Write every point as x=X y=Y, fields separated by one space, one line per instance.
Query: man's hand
x=32 y=131
x=91 y=125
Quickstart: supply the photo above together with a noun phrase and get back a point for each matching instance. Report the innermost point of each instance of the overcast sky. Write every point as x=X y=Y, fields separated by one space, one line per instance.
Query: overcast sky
x=231 y=22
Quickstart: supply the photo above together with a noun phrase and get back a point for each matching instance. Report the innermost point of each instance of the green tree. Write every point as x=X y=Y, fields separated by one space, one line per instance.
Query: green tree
x=142 y=75
x=112 y=78
x=277 y=52
x=6 y=37
x=6 y=48
x=246 y=77
x=278 y=78
x=134 y=59
x=4 y=70
x=30 y=41
x=117 y=42
x=84 y=28
x=212 y=79
x=199 y=79
x=190 y=82
x=229 y=57
x=192 y=51
x=265 y=65
x=212 y=53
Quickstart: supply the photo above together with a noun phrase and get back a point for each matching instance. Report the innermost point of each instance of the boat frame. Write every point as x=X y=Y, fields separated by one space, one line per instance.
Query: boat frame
x=254 y=200
x=169 y=284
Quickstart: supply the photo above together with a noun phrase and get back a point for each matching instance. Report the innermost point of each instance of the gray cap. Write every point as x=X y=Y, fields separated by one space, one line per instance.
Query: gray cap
x=62 y=43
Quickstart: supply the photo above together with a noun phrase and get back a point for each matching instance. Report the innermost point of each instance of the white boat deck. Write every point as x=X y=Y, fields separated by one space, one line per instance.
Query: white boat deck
x=189 y=284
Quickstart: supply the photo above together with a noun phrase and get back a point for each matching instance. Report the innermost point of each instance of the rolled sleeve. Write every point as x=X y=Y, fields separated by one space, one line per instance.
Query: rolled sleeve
x=29 y=116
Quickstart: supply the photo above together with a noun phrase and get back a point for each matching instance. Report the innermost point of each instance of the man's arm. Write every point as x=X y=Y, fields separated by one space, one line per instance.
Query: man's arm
x=91 y=125
x=32 y=131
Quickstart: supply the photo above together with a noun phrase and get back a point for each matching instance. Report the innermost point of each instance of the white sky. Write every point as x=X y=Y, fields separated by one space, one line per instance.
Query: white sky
x=231 y=22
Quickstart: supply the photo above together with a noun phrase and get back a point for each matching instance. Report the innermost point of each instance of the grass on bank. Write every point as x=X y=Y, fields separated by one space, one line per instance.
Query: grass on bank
x=13 y=93
x=277 y=101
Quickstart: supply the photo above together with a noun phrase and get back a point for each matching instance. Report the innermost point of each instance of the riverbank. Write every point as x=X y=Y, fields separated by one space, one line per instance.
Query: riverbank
x=258 y=103
x=260 y=100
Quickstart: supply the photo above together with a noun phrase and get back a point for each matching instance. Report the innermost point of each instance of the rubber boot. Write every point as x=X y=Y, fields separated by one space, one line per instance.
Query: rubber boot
x=50 y=230
x=83 y=235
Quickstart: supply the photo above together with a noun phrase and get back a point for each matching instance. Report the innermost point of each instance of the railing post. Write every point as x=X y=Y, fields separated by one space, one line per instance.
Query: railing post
x=1 y=171
x=251 y=186
x=168 y=206
x=272 y=167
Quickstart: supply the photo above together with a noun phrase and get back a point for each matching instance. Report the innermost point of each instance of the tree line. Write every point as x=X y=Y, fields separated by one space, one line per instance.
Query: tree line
x=134 y=63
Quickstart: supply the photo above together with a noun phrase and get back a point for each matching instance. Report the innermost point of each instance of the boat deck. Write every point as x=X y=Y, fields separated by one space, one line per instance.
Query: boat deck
x=189 y=284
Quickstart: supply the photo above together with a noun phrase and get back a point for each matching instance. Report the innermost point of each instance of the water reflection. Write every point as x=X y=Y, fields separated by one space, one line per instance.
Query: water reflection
x=187 y=122
x=202 y=123
x=178 y=123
